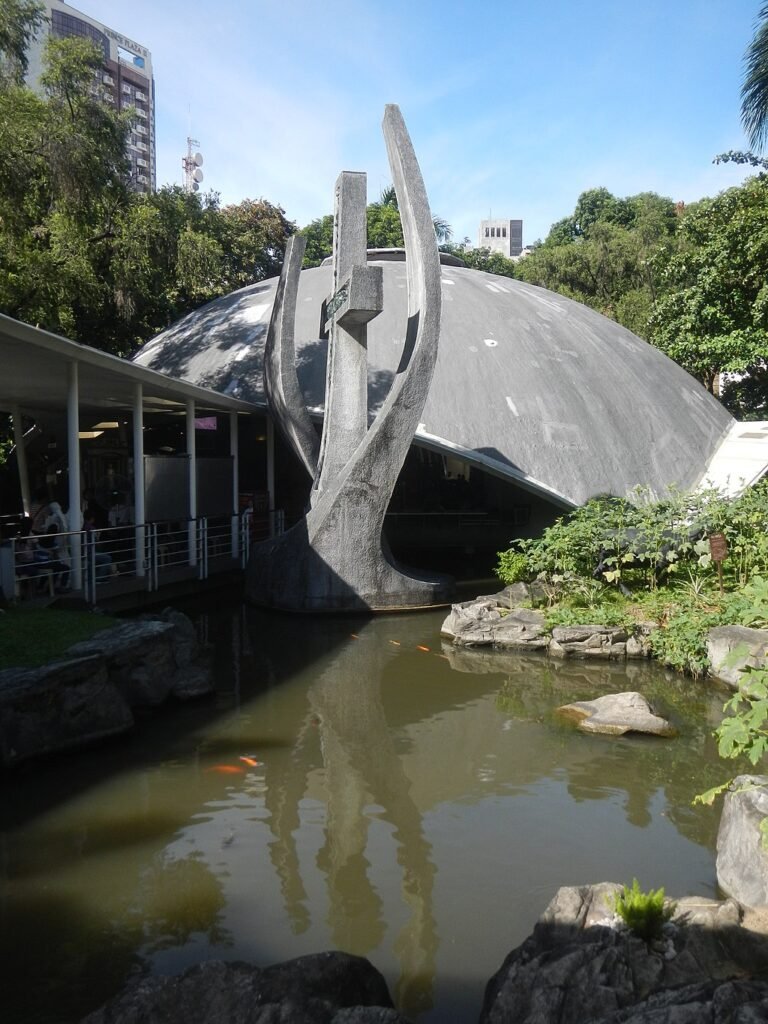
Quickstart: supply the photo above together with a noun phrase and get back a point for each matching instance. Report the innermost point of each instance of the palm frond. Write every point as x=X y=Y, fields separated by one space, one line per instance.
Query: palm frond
x=754 y=91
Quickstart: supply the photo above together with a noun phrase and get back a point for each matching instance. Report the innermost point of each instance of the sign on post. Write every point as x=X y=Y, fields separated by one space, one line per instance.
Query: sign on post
x=718 y=549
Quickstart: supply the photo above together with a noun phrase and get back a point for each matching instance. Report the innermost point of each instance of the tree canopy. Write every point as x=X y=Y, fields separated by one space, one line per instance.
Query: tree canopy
x=713 y=315
x=82 y=255
x=600 y=255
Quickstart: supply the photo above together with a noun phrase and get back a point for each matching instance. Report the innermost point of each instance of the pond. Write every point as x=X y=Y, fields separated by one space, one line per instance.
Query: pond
x=355 y=784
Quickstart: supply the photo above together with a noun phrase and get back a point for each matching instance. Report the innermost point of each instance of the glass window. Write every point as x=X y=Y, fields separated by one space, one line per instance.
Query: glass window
x=63 y=25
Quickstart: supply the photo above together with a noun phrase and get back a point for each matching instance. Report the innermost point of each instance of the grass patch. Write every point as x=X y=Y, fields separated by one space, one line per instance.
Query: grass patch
x=34 y=636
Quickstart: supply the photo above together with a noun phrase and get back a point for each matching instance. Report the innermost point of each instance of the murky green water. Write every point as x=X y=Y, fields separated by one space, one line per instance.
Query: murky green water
x=355 y=784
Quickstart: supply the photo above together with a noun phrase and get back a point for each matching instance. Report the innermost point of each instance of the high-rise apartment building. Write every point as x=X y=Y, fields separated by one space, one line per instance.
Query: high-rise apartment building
x=504 y=236
x=126 y=80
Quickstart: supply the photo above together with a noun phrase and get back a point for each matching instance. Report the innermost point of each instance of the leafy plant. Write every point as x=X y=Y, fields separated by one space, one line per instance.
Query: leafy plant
x=644 y=913
x=512 y=566
x=744 y=730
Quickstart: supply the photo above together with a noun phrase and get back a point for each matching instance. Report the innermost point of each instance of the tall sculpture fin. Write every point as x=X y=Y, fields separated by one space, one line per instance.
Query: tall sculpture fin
x=281 y=385
x=335 y=558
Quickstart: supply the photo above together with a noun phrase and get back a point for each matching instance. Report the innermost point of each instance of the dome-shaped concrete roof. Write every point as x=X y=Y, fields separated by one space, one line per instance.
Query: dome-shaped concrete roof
x=533 y=386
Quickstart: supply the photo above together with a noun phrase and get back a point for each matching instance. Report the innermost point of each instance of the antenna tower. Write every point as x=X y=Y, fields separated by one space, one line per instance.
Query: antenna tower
x=192 y=163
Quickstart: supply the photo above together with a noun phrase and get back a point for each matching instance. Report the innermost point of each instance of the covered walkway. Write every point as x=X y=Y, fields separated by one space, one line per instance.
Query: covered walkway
x=163 y=454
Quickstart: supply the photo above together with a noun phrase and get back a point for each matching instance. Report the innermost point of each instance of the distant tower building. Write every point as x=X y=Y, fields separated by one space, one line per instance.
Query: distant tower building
x=126 y=80
x=504 y=236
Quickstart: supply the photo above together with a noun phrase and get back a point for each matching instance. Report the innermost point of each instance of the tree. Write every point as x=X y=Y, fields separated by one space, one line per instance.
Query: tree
x=600 y=255
x=20 y=21
x=319 y=236
x=82 y=255
x=63 y=184
x=754 y=90
x=253 y=238
x=714 y=314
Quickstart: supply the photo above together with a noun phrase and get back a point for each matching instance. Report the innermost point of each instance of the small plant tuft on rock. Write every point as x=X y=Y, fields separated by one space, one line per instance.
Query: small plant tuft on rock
x=644 y=913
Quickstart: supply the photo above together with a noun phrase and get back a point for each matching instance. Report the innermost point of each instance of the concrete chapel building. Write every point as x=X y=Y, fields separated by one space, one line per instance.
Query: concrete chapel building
x=537 y=404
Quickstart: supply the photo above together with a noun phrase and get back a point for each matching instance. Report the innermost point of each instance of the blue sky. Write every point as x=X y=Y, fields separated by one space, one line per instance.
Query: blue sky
x=514 y=106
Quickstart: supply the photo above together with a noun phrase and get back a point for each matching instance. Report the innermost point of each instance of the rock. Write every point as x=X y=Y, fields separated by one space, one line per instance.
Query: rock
x=480 y=624
x=466 y=615
x=139 y=656
x=588 y=642
x=617 y=713
x=65 y=704
x=194 y=682
x=742 y=861
x=513 y=596
x=325 y=988
x=149 y=659
x=582 y=965
x=731 y=648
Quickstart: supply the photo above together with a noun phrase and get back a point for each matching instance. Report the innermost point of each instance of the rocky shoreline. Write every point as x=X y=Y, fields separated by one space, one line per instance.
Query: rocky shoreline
x=101 y=685
x=504 y=622
x=580 y=965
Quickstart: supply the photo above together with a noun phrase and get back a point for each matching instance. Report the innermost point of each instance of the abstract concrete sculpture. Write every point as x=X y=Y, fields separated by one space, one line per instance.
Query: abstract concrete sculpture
x=335 y=559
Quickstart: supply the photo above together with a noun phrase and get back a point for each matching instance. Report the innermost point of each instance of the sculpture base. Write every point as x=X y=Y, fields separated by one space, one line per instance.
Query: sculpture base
x=288 y=574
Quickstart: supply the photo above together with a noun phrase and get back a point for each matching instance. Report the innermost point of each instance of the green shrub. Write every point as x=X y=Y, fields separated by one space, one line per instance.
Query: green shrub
x=643 y=543
x=512 y=567
x=644 y=913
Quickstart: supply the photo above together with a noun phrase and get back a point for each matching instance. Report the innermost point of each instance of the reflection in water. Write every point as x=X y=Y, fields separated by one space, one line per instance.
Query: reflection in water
x=354 y=785
x=362 y=766
x=176 y=899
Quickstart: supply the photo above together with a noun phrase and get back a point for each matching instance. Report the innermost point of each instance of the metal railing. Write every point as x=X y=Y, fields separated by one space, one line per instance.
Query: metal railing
x=123 y=558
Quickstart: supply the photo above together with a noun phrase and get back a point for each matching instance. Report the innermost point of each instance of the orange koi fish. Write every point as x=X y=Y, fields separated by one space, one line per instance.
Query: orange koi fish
x=250 y=761
x=226 y=769
x=421 y=647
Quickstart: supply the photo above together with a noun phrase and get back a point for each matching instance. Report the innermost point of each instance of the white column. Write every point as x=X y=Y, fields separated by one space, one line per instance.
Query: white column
x=73 y=459
x=139 y=514
x=271 y=474
x=21 y=458
x=235 y=484
x=192 y=481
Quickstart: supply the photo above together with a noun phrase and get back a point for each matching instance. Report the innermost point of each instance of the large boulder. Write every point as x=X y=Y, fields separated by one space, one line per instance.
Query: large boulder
x=324 y=988
x=742 y=860
x=150 y=659
x=61 y=705
x=732 y=648
x=617 y=713
x=582 y=965
x=588 y=642
x=481 y=623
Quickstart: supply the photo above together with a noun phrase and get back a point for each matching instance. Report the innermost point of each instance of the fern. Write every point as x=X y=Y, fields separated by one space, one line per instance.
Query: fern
x=644 y=913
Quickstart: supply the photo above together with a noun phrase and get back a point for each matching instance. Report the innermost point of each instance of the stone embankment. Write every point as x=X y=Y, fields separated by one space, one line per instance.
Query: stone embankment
x=499 y=621
x=97 y=687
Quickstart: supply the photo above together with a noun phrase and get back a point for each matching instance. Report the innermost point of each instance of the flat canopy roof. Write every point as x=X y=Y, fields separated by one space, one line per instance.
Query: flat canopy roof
x=34 y=375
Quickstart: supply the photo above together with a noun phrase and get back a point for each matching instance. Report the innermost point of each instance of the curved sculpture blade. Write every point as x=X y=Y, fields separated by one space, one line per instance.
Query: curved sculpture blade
x=382 y=452
x=334 y=558
x=281 y=385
